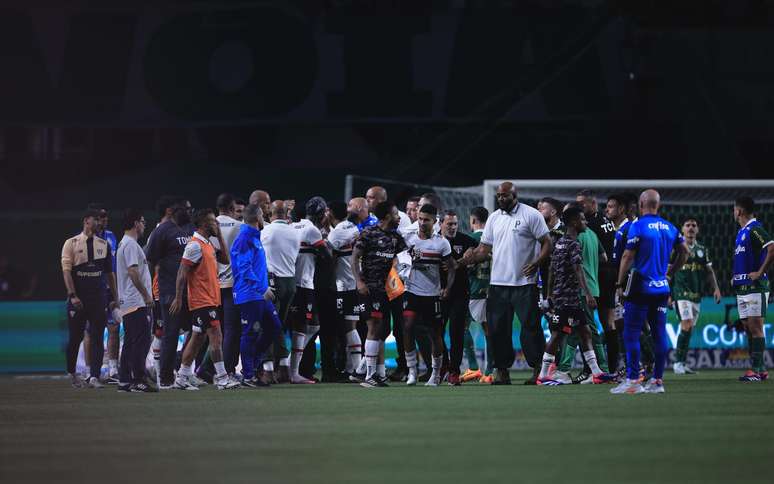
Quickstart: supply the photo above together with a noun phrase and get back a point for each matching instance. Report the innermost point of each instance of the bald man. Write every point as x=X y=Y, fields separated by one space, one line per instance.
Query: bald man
x=518 y=239
x=263 y=200
x=376 y=195
x=650 y=243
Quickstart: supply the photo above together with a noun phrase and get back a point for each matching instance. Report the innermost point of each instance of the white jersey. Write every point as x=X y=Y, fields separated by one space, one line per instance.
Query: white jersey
x=404 y=258
x=229 y=229
x=342 y=239
x=426 y=256
x=310 y=239
x=280 y=243
x=130 y=254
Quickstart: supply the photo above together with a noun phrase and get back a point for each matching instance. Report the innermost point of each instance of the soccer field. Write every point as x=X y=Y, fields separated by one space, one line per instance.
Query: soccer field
x=706 y=428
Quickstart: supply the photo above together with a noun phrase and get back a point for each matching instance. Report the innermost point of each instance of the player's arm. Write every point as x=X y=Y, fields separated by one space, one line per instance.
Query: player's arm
x=627 y=259
x=681 y=256
x=602 y=254
x=762 y=237
x=182 y=276
x=546 y=247
x=357 y=252
x=111 y=278
x=324 y=251
x=590 y=301
x=67 y=275
x=550 y=284
x=450 y=274
x=222 y=255
x=134 y=276
x=481 y=253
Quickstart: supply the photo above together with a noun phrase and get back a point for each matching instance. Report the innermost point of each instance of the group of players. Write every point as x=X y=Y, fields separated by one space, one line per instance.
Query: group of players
x=236 y=284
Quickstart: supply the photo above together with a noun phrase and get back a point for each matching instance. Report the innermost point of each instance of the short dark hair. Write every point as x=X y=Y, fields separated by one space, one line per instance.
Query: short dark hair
x=414 y=199
x=164 y=202
x=620 y=199
x=338 y=209
x=239 y=201
x=631 y=199
x=429 y=209
x=571 y=214
x=481 y=214
x=90 y=212
x=201 y=216
x=746 y=203
x=573 y=205
x=434 y=199
x=383 y=209
x=586 y=192
x=688 y=219
x=224 y=202
x=448 y=213
x=553 y=202
x=252 y=213
x=131 y=215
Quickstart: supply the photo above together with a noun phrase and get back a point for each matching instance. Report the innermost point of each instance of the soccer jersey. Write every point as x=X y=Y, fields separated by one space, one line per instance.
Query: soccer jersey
x=342 y=239
x=426 y=257
x=203 y=283
x=165 y=249
x=749 y=256
x=310 y=239
x=653 y=239
x=88 y=259
x=566 y=257
x=378 y=249
x=459 y=245
x=281 y=245
x=130 y=254
x=590 y=252
x=688 y=284
x=605 y=231
x=556 y=232
x=229 y=229
x=478 y=275
x=619 y=244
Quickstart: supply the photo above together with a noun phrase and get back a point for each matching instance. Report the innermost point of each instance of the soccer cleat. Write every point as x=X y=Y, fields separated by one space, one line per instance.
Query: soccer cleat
x=750 y=376
x=679 y=368
x=654 y=385
x=501 y=377
x=95 y=383
x=487 y=379
x=124 y=387
x=357 y=377
x=253 y=382
x=226 y=383
x=603 y=378
x=583 y=379
x=142 y=388
x=183 y=382
x=382 y=381
x=763 y=375
x=627 y=386
x=563 y=377
x=300 y=380
x=548 y=382
x=470 y=375
x=196 y=381
x=689 y=370
x=411 y=380
x=372 y=382
x=112 y=379
x=454 y=379
x=76 y=381
x=434 y=381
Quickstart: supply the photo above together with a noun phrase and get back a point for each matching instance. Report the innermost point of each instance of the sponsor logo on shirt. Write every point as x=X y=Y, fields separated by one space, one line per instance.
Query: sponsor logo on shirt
x=739 y=249
x=662 y=283
x=386 y=255
x=658 y=226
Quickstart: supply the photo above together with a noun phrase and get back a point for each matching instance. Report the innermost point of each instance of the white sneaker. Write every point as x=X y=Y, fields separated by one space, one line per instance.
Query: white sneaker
x=233 y=378
x=628 y=386
x=226 y=383
x=434 y=381
x=679 y=368
x=563 y=377
x=196 y=381
x=654 y=385
x=76 y=381
x=589 y=380
x=95 y=383
x=183 y=382
x=412 y=376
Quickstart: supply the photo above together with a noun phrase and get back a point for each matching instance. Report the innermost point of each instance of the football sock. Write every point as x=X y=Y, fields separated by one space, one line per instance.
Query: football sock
x=683 y=341
x=371 y=356
x=354 y=350
x=220 y=369
x=411 y=359
x=591 y=360
x=185 y=370
x=380 y=370
x=756 y=355
x=545 y=368
x=298 y=341
x=470 y=350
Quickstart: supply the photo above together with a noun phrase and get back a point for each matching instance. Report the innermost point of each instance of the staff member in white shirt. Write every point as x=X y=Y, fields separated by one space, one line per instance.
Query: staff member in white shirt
x=231 y=322
x=518 y=240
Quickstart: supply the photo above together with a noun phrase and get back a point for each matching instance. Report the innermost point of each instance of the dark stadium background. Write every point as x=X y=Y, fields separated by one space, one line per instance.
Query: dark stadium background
x=125 y=101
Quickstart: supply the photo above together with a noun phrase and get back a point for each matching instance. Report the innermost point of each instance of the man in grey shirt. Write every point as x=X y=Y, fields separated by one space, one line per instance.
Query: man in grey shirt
x=135 y=302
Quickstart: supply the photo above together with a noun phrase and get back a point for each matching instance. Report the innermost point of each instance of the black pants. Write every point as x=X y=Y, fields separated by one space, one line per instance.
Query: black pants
x=328 y=317
x=93 y=312
x=232 y=330
x=455 y=312
x=501 y=304
x=137 y=338
x=172 y=327
x=284 y=291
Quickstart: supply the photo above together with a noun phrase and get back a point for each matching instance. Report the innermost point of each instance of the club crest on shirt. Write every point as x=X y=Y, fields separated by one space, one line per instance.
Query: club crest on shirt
x=213 y=314
x=699 y=253
x=309 y=307
x=458 y=249
x=376 y=306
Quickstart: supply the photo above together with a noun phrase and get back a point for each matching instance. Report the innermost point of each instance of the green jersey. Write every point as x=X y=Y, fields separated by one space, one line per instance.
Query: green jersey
x=478 y=275
x=688 y=284
x=590 y=250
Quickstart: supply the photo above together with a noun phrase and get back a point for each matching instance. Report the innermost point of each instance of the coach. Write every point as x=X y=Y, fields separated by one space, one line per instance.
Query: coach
x=518 y=240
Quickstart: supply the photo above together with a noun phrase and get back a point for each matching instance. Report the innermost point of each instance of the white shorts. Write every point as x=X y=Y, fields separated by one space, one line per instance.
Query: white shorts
x=752 y=305
x=688 y=310
x=478 y=310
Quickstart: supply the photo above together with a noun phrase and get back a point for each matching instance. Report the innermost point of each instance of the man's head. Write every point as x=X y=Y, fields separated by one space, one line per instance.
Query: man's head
x=375 y=195
x=426 y=217
x=431 y=198
x=102 y=219
x=261 y=198
x=450 y=222
x=90 y=221
x=134 y=222
x=239 y=208
x=506 y=196
x=254 y=215
x=181 y=212
x=279 y=210
x=205 y=222
x=412 y=208
x=690 y=228
x=744 y=208
x=478 y=217
x=358 y=209
x=165 y=205
x=588 y=200
x=225 y=204
x=315 y=209
x=650 y=201
x=387 y=213
x=616 y=207
x=573 y=217
x=549 y=208
x=337 y=211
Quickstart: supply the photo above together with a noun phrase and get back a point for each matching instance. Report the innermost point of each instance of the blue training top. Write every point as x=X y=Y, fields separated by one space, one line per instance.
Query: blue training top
x=248 y=266
x=653 y=239
x=371 y=220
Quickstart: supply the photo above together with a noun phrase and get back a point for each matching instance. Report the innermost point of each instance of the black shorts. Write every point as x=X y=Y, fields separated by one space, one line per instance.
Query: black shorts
x=565 y=320
x=304 y=303
x=426 y=309
x=347 y=305
x=374 y=306
x=607 y=280
x=204 y=319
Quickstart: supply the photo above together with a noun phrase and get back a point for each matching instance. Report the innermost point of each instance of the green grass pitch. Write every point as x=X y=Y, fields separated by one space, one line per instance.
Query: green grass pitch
x=706 y=428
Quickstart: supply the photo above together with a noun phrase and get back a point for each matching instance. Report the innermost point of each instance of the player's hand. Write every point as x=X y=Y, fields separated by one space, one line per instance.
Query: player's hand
x=174 y=308
x=268 y=295
x=529 y=269
x=362 y=289
x=754 y=276
x=717 y=296
x=76 y=302
x=590 y=301
x=670 y=301
x=618 y=295
x=112 y=305
x=466 y=258
x=148 y=302
x=445 y=293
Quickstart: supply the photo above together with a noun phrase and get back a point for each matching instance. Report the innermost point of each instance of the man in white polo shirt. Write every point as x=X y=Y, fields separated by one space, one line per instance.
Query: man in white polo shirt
x=518 y=239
